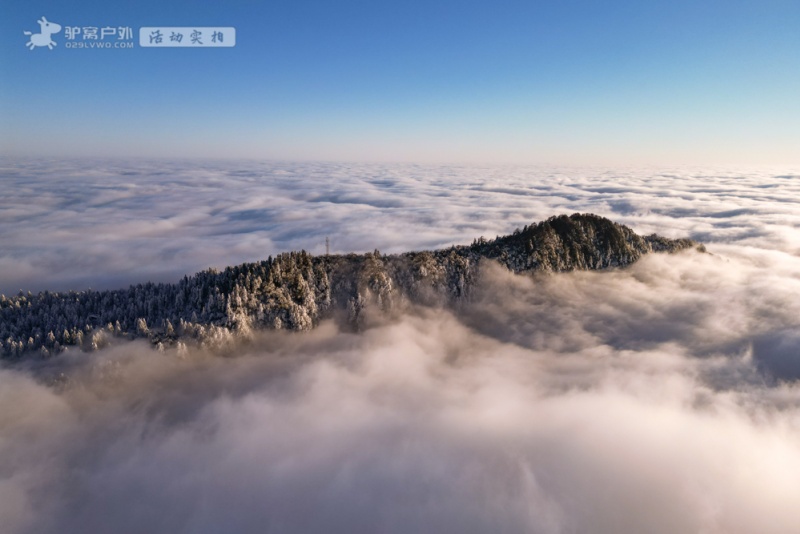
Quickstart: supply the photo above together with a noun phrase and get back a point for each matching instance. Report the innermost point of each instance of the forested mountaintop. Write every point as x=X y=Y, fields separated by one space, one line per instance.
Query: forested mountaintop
x=296 y=290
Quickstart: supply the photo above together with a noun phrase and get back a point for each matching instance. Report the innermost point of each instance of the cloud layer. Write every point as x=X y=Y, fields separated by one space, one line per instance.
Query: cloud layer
x=660 y=398
x=106 y=224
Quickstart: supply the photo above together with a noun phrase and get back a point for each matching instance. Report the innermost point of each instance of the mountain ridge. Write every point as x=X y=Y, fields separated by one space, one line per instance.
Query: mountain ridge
x=296 y=290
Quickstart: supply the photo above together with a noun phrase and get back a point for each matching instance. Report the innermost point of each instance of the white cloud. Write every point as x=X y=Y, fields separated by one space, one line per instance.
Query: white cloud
x=104 y=224
x=658 y=398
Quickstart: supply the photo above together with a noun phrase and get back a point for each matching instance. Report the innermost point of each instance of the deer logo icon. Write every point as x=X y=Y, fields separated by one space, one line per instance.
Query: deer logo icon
x=43 y=37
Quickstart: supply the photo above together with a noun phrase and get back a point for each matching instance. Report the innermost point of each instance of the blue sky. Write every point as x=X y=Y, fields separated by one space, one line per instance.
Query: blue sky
x=437 y=81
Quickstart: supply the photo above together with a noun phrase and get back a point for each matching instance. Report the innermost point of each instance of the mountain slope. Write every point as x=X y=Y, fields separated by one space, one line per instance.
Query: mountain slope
x=296 y=290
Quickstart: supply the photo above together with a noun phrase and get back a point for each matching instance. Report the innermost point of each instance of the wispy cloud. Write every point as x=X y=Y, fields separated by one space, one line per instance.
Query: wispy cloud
x=75 y=224
x=658 y=398
x=633 y=401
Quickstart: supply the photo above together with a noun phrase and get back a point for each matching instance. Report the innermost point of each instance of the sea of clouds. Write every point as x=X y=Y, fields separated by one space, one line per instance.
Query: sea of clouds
x=661 y=398
x=105 y=224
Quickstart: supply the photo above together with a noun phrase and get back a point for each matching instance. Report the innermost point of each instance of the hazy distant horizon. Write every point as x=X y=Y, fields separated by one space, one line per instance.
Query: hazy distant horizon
x=106 y=223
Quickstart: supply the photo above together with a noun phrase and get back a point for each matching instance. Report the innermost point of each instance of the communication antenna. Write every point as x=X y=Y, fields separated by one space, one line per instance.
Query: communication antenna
x=327 y=246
